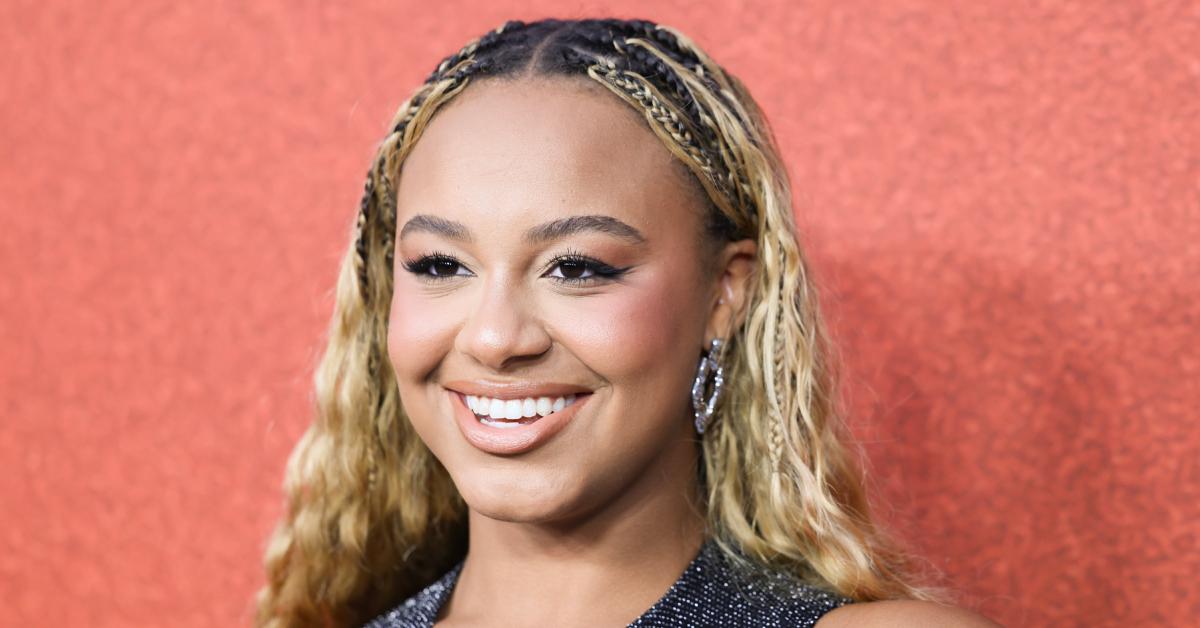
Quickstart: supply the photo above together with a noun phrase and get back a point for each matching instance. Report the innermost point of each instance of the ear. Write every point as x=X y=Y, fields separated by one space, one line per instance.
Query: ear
x=734 y=272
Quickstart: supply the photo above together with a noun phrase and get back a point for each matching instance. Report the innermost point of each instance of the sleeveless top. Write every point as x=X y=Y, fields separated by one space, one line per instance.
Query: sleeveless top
x=708 y=593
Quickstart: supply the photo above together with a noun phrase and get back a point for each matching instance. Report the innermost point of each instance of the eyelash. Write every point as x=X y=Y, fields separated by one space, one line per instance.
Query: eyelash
x=420 y=266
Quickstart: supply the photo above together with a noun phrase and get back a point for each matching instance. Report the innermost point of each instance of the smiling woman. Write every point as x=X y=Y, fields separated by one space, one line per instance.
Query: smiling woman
x=595 y=390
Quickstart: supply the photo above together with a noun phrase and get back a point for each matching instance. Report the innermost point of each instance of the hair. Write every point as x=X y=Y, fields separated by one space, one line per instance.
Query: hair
x=373 y=517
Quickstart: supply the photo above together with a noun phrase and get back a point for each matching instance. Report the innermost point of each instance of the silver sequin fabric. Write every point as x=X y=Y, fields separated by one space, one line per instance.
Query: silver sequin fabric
x=708 y=593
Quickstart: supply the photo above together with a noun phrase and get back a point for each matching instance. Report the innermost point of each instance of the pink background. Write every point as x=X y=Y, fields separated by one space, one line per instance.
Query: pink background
x=1002 y=201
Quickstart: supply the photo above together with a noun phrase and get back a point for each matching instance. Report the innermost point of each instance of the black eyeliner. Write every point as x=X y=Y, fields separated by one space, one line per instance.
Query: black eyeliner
x=420 y=265
x=601 y=270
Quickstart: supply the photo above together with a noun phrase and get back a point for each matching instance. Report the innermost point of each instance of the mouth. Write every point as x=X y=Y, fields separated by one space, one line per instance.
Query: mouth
x=515 y=425
x=513 y=413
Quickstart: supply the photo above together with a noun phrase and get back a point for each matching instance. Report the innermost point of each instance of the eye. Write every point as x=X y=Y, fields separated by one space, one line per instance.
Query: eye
x=436 y=266
x=573 y=268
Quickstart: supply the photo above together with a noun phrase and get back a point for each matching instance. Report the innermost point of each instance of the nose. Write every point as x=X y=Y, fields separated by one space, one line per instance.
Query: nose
x=503 y=328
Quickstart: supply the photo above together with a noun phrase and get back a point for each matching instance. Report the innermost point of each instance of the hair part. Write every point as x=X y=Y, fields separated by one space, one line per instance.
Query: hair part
x=373 y=517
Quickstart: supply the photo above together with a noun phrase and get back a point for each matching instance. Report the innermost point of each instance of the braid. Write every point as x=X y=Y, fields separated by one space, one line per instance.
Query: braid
x=487 y=41
x=663 y=38
x=365 y=211
x=649 y=65
x=637 y=88
x=603 y=34
x=680 y=119
x=779 y=379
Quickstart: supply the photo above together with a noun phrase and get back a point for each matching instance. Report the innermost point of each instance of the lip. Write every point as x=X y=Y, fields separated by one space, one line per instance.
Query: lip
x=511 y=440
x=514 y=390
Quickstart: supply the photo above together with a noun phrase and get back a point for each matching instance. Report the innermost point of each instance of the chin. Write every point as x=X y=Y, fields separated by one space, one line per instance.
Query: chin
x=518 y=497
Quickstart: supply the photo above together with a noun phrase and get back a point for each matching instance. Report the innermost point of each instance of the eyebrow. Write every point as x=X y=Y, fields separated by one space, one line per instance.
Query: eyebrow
x=542 y=233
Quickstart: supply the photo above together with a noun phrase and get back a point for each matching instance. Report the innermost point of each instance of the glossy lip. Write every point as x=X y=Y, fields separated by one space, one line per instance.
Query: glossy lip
x=514 y=390
x=511 y=440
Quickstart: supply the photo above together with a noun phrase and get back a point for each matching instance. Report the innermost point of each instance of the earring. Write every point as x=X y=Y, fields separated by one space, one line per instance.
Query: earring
x=710 y=363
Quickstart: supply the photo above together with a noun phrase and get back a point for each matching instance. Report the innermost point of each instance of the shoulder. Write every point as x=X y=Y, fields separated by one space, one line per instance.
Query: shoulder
x=903 y=614
x=420 y=610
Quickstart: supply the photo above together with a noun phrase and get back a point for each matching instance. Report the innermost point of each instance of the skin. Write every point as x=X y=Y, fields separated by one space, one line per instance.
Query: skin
x=604 y=516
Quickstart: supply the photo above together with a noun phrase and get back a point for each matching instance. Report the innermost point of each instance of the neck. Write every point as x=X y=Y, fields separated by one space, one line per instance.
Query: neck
x=617 y=560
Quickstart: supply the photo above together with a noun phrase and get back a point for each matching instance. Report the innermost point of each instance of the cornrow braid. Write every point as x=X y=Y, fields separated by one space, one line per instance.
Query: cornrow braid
x=644 y=57
x=488 y=40
x=660 y=57
x=663 y=116
x=726 y=107
x=664 y=38
x=639 y=57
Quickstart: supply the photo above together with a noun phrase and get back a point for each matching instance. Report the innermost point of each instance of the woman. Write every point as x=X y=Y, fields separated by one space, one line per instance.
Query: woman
x=599 y=365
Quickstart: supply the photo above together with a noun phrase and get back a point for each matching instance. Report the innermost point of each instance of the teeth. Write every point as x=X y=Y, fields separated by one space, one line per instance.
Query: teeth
x=496 y=411
x=498 y=422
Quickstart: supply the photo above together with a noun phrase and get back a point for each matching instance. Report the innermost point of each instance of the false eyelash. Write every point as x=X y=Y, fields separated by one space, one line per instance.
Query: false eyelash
x=600 y=270
x=420 y=265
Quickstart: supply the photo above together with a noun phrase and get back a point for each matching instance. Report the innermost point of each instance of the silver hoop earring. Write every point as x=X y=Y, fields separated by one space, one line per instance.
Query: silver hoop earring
x=709 y=364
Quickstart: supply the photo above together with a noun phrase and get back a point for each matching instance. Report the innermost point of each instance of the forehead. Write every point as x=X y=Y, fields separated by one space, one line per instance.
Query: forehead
x=531 y=149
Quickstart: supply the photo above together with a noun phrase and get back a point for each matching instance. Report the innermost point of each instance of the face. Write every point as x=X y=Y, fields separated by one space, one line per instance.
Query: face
x=548 y=263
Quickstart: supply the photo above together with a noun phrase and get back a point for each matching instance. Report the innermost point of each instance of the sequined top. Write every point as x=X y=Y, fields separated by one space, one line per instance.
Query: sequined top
x=708 y=593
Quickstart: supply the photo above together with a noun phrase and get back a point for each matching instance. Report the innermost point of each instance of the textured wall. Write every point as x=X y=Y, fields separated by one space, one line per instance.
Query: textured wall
x=1002 y=200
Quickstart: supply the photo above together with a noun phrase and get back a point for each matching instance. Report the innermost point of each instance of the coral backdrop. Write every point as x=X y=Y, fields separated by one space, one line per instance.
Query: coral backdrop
x=1002 y=201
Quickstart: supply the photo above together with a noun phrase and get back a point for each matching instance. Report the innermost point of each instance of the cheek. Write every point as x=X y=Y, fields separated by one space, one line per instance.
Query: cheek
x=420 y=332
x=627 y=332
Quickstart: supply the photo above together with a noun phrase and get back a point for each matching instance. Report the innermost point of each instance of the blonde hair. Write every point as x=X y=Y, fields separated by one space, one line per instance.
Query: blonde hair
x=373 y=517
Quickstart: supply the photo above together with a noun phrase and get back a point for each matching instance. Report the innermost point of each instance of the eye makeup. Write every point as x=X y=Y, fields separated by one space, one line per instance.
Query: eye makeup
x=572 y=267
x=434 y=266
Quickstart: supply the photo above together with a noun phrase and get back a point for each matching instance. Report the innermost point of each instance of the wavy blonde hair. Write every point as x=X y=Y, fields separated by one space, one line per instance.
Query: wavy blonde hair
x=373 y=517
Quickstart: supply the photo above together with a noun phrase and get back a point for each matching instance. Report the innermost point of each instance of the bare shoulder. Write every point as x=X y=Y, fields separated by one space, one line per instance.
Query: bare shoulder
x=903 y=614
